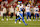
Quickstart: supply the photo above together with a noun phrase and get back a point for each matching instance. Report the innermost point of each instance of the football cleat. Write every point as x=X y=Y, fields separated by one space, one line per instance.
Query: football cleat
x=26 y=24
x=7 y=19
x=27 y=19
x=19 y=22
x=15 y=22
x=2 y=19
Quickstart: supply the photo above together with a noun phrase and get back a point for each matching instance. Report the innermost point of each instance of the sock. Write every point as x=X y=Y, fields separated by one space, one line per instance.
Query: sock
x=23 y=20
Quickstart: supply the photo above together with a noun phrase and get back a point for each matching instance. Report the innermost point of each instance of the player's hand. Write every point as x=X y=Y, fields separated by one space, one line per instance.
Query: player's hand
x=34 y=13
x=39 y=12
x=21 y=17
x=9 y=13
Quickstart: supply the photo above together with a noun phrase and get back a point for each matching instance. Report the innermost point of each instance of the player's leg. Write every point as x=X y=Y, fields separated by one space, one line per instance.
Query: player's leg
x=35 y=16
x=38 y=16
x=23 y=20
x=16 y=16
x=30 y=16
x=17 y=19
x=27 y=16
x=23 y=13
x=3 y=16
x=6 y=17
x=11 y=15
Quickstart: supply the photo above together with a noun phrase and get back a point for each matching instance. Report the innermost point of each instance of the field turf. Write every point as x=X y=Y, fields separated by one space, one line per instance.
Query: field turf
x=10 y=23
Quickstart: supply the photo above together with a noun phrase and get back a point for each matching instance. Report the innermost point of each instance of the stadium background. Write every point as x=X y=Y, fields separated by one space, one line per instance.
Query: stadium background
x=11 y=23
x=35 y=2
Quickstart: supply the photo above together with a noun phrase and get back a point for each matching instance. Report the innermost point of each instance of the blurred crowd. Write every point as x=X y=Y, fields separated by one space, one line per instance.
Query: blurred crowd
x=13 y=9
x=14 y=5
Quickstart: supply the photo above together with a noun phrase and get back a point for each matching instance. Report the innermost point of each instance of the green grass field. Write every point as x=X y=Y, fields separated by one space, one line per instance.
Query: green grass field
x=10 y=23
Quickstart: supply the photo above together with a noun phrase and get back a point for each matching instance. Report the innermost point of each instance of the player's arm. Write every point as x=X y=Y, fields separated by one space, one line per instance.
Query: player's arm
x=5 y=10
x=30 y=9
x=25 y=9
x=9 y=11
x=38 y=9
x=20 y=17
x=15 y=10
